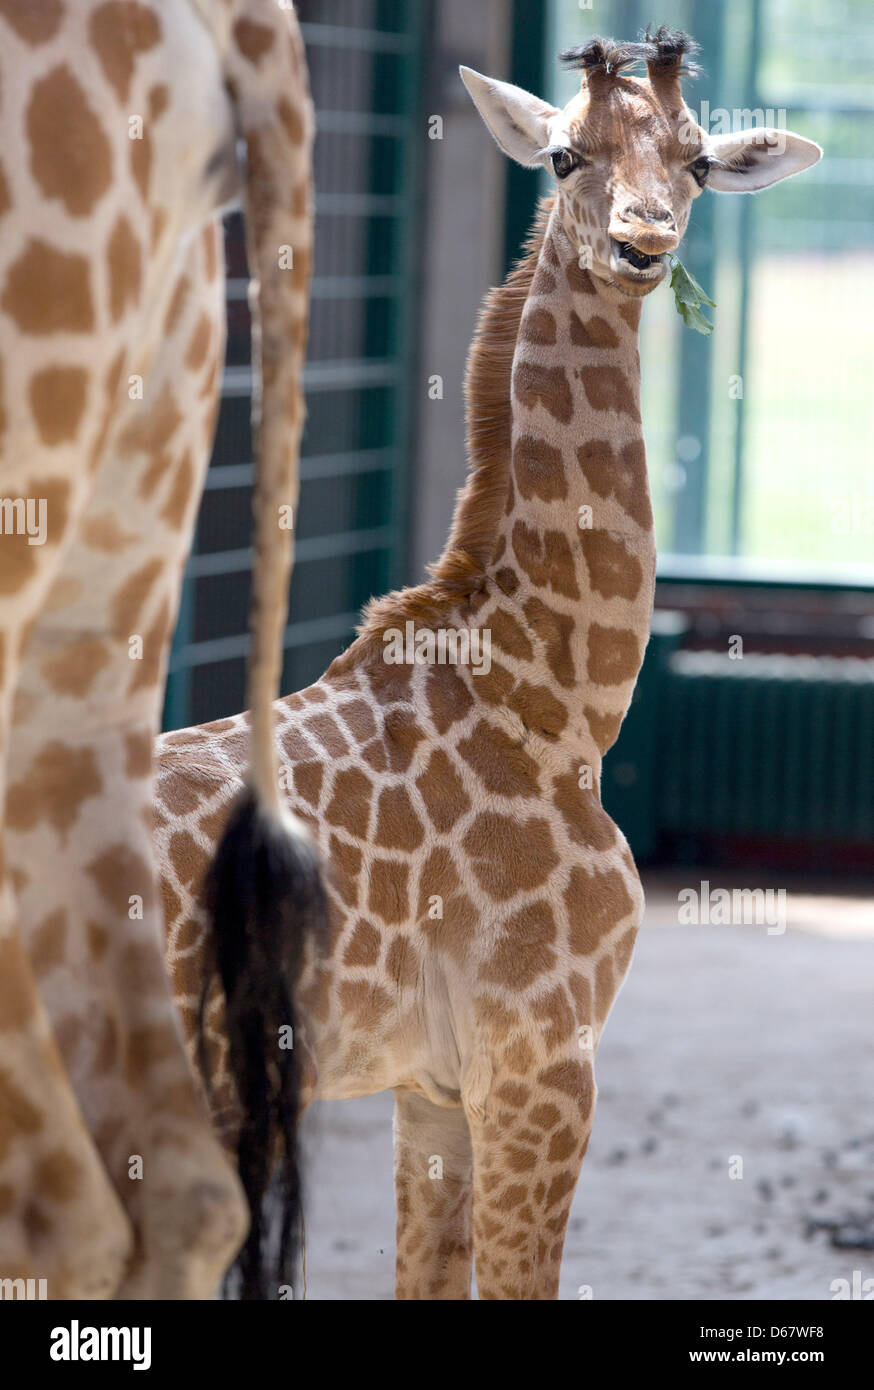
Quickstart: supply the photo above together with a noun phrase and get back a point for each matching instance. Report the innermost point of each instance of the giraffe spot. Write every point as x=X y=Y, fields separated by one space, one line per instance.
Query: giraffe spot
x=560 y=1188
x=176 y=508
x=70 y=155
x=388 y=895
x=125 y=272
x=147 y=1047
x=159 y=100
x=614 y=570
x=594 y=333
x=129 y=601
x=614 y=655
x=119 y=31
x=374 y=755
x=574 y=1079
x=608 y=388
x=547 y=386
x=538 y=709
x=513 y=1093
x=453 y=932
x=349 y=806
x=253 y=40
x=57 y=783
x=198 y=346
x=581 y=993
x=509 y=856
x=119 y=872
x=499 y=761
x=630 y=312
x=512 y=1197
x=555 y=631
x=524 y=951
x=345 y=866
x=402 y=734
x=292 y=121
x=621 y=476
x=98 y=940
x=308 y=778
x=402 y=963
x=545 y=1116
x=296 y=745
x=604 y=727
x=507 y=580
x=177 y=303
x=211 y=247
x=364 y=946
x=546 y=558
x=605 y=987
x=148 y=670
x=539 y=469
x=579 y=279
x=35 y=22
x=16 y=1003
x=327 y=731
x=554 y=1014
x=358 y=718
x=365 y=1004
x=510 y=635
x=538 y=327
x=57 y=1176
x=518 y=1057
x=397 y=825
x=519 y=1159
x=17 y=556
x=48 y=291
x=57 y=402
x=109 y=1044
x=586 y=822
x=448 y=698
x=73 y=670
x=596 y=902
x=543 y=284
x=442 y=791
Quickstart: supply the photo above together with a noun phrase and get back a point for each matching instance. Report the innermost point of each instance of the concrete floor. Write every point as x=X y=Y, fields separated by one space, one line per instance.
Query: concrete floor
x=725 y=1041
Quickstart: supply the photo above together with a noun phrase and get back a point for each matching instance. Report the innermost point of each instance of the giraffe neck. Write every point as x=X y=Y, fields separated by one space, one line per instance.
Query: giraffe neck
x=575 y=549
x=552 y=547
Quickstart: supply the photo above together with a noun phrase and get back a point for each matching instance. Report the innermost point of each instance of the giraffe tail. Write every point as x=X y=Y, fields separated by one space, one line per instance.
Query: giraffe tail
x=265 y=890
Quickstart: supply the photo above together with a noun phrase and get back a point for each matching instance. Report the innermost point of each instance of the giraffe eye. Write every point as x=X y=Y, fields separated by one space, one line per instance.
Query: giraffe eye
x=564 y=162
x=700 y=169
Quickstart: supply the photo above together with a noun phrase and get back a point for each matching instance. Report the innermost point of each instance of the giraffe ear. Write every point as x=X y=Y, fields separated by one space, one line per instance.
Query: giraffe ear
x=518 y=121
x=753 y=159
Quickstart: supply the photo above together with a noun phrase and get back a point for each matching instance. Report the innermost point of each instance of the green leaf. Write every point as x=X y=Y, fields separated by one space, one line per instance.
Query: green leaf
x=688 y=298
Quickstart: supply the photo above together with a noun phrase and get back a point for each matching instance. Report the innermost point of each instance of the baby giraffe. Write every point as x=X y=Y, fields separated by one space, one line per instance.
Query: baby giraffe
x=483 y=905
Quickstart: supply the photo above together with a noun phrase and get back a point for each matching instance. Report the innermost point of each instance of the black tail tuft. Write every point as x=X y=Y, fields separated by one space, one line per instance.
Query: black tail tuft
x=265 y=896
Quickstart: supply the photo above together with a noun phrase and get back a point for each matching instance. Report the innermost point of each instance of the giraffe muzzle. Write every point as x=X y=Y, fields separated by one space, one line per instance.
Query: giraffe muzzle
x=629 y=262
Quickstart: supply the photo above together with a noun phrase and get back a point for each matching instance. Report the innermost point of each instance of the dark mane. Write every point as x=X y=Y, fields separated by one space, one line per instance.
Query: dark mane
x=663 y=49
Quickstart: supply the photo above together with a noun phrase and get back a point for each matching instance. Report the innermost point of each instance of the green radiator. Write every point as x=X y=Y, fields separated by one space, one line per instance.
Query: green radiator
x=757 y=753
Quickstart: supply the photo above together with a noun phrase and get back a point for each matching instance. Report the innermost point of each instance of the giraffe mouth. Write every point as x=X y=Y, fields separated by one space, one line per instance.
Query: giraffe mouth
x=634 y=264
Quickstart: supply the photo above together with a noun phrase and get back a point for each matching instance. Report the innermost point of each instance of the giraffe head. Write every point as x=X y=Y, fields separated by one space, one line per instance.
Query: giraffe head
x=628 y=156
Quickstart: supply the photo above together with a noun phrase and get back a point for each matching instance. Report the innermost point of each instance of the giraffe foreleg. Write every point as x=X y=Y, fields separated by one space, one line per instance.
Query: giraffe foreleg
x=527 y=1154
x=433 y=1198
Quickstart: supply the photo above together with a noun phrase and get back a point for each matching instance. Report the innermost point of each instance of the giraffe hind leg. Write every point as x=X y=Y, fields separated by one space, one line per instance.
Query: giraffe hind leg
x=433 y=1200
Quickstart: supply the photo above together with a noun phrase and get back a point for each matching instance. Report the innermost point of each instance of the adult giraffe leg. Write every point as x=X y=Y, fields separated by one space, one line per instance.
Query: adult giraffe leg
x=527 y=1153
x=433 y=1200
x=80 y=799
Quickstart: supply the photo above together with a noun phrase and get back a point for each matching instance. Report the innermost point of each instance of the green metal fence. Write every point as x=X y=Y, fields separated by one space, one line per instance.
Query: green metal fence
x=366 y=60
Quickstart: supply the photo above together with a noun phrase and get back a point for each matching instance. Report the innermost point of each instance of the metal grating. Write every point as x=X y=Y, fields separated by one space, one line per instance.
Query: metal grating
x=365 y=59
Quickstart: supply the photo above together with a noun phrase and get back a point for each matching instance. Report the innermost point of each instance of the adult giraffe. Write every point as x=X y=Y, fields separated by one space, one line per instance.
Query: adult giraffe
x=484 y=907
x=120 y=123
